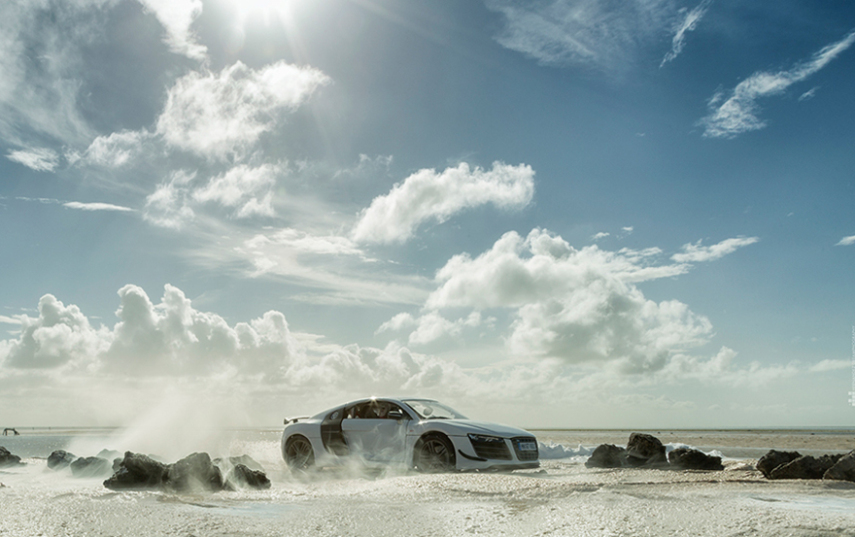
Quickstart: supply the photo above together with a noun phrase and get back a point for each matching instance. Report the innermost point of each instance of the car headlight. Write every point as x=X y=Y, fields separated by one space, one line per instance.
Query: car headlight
x=484 y=439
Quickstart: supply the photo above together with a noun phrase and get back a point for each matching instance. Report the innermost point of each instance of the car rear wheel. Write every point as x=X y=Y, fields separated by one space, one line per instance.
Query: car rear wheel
x=434 y=454
x=299 y=454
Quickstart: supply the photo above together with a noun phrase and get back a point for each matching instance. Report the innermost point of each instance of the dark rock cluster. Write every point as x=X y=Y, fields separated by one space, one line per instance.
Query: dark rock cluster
x=794 y=465
x=647 y=451
x=7 y=459
x=196 y=472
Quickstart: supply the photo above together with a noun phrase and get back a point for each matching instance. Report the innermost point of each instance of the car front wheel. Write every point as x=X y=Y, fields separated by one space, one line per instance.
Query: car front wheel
x=299 y=454
x=434 y=454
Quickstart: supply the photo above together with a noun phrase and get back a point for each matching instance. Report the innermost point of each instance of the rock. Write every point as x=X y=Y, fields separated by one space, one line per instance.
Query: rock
x=138 y=472
x=231 y=462
x=194 y=472
x=844 y=469
x=773 y=459
x=805 y=467
x=60 y=459
x=7 y=459
x=692 y=459
x=241 y=476
x=90 y=467
x=607 y=456
x=109 y=454
x=645 y=450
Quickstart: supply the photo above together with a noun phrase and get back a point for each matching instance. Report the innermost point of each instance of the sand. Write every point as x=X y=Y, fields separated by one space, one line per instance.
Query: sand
x=563 y=498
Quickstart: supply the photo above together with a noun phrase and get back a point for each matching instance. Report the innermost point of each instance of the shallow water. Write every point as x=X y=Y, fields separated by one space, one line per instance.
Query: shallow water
x=563 y=498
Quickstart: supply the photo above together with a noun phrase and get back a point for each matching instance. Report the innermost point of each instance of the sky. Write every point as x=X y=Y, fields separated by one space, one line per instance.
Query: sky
x=556 y=213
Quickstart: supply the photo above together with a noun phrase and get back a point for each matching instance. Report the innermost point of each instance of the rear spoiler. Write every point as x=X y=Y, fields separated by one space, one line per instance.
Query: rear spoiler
x=294 y=420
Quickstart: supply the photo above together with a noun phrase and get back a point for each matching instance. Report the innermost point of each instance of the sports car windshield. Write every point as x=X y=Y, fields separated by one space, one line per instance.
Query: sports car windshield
x=431 y=410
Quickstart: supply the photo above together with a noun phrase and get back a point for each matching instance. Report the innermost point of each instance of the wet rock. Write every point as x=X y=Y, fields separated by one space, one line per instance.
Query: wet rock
x=645 y=450
x=138 y=472
x=692 y=459
x=607 y=456
x=7 y=459
x=843 y=470
x=773 y=459
x=90 y=467
x=194 y=472
x=805 y=467
x=60 y=459
x=241 y=476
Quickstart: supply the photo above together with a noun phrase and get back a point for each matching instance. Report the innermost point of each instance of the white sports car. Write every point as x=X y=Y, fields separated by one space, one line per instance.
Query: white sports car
x=419 y=433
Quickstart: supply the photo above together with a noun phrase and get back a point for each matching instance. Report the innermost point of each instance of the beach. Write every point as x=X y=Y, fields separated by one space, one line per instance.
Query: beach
x=563 y=497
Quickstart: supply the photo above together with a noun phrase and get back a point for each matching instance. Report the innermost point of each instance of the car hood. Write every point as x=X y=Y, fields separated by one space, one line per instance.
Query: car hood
x=462 y=427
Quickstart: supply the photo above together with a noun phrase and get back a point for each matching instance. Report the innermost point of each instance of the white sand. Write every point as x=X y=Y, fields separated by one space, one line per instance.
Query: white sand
x=565 y=498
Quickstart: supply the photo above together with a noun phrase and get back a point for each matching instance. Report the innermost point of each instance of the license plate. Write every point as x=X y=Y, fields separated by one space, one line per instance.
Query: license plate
x=527 y=446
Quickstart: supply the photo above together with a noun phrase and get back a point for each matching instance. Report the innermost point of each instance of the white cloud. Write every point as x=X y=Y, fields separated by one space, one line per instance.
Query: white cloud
x=577 y=305
x=222 y=115
x=600 y=235
x=261 y=368
x=431 y=326
x=248 y=190
x=40 y=60
x=116 y=149
x=601 y=33
x=517 y=271
x=831 y=365
x=688 y=24
x=696 y=253
x=39 y=159
x=174 y=338
x=168 y=206
x=738 y=112
x=809 y=94
x=177 y=16
x=846 y=241
x=427 y=195
x=170 y=338
x=9 y=320
x=95 y=206
x=60 y=335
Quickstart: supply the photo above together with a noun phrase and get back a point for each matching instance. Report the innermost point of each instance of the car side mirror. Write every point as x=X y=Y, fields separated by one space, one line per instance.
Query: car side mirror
x=395 y=415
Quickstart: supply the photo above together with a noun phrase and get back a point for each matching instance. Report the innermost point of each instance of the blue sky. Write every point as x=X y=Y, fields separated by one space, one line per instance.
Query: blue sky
x=555 y=213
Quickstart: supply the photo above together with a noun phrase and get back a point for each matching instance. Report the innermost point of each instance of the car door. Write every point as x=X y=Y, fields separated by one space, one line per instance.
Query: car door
x=373 y=435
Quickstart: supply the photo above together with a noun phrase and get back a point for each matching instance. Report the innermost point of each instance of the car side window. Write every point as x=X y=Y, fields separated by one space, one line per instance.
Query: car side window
x=373 y=410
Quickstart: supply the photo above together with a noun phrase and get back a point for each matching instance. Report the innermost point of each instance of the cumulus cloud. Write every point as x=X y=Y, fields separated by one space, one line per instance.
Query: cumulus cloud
x=431 y=326
x=600 y=235
x=174 y=338
x=688 y=24
x=170 y=338
x=58 y=336
x=696 y=253
x=427 y=195
x=97 y=206
x=220 y=115
x=846 y=241
x=733 y=114
x=577 y=305
x=604 y=34
x=177 y=17
x=40 y=159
